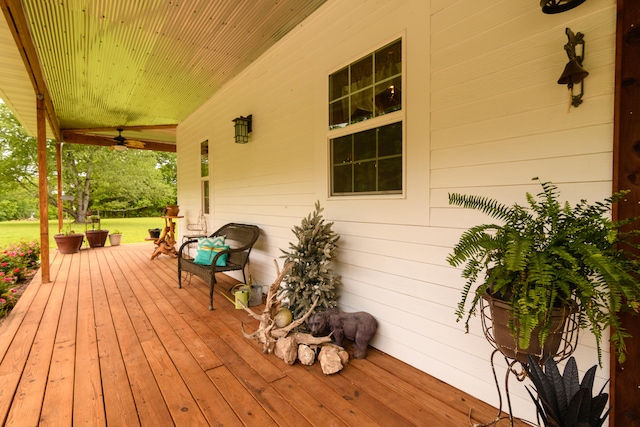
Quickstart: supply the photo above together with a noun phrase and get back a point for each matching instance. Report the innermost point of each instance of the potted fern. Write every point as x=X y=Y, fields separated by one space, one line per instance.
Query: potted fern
x=549 y=256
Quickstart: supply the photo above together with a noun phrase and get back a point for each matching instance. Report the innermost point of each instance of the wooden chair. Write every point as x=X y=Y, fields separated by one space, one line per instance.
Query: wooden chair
x=239 y=237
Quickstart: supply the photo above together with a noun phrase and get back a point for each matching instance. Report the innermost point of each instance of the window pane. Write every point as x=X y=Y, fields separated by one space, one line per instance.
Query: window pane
x=389 y=61
x=337 y=113
x=362 y=73
x=342 y=152
x=339 y=84
x=362 y=105
x=365 y=176
x=342 y=179
x=205 y=196
x=204 y=158
x=364 y=145
x=390 y=174
x=389 y=96
x=390 y=140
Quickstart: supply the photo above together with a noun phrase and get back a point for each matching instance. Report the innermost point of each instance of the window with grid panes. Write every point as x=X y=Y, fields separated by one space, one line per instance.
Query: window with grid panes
x=368 y=161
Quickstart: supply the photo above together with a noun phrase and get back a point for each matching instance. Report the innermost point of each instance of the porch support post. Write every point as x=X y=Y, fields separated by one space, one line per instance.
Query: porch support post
x=625 y=377
x=42 y=190
x=59 y=173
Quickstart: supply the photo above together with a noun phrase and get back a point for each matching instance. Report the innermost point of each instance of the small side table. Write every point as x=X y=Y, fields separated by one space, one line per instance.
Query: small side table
x=167 y=240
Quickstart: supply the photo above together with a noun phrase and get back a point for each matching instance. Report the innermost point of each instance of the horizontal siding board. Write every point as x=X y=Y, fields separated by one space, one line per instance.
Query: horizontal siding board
x=581 y=141
x=545 y=123
x=588 y=167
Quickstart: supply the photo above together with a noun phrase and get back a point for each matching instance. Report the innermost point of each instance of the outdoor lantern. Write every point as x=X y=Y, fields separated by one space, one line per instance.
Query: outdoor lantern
x=557 y=6
x=243 y=129
x=573 y=72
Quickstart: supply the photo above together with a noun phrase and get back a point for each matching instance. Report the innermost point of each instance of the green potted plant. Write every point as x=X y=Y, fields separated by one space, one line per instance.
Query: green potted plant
x=95 y=236
x=115 y=238
x=68 y=241
x=544 y=257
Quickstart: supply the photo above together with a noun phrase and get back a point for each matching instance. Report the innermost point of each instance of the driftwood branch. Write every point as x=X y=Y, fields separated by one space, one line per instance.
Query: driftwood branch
x=309 y=339
x=267 y=332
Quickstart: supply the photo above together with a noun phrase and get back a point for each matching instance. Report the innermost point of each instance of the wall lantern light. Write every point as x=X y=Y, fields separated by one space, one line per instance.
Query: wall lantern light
x=557 y=6
x=242 y=127
x=573 y=72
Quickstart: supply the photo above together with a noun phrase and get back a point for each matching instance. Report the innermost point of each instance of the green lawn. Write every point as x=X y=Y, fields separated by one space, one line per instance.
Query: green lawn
x=132 y=229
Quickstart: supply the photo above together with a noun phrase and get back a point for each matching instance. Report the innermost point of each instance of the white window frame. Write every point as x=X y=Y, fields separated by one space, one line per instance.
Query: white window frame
x=375 y=122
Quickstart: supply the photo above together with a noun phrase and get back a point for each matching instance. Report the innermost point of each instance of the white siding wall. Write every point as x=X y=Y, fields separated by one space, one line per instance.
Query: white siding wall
x=483 y=115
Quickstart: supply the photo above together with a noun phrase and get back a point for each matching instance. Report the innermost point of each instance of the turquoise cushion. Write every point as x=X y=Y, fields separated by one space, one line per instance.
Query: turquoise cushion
x=208 y=247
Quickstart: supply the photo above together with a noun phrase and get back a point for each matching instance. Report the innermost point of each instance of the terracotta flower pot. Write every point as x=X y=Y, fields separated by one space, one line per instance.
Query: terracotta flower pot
x=172 y=210
x=70 y=243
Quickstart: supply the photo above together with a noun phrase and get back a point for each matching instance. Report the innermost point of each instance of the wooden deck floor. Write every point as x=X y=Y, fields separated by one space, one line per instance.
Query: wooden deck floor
x=113 y=341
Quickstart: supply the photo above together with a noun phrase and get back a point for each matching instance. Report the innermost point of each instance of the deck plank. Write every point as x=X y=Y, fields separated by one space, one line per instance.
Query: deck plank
x=24 y=354
x=59 y=386
x=114 y=341
x=25 y=409
x=117 y=390
x=88 y=399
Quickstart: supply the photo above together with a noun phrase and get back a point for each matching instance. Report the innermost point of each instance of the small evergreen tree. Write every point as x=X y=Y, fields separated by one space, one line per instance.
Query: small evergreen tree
x=311 y=276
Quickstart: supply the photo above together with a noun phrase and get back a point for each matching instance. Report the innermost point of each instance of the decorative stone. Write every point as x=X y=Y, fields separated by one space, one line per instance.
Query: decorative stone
x=286 y=348
x=330 y=361
x=306 y=355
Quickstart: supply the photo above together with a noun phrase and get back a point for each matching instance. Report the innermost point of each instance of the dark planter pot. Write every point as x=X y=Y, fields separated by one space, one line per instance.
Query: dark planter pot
x=69 y=244
x=559 y=343
x=154 y=233
x=97 y=238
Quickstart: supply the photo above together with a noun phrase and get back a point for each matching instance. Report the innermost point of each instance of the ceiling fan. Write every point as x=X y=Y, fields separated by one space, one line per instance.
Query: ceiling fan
x=123 y=143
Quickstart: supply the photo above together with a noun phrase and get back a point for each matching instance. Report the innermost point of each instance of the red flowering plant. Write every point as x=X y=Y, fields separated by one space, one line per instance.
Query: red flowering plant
x=15 y=262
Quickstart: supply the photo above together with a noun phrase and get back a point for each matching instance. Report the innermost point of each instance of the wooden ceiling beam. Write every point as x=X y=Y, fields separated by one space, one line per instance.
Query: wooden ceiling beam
x=104 y=141
x=113 y=128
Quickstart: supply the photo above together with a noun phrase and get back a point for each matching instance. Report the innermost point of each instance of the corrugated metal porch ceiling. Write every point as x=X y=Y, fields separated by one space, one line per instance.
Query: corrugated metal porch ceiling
x=123 y=63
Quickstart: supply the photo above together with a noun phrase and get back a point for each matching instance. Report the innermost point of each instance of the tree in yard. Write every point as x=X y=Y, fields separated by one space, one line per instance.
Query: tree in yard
x=134 y=180
x=19 y=168
x=311 y=276
x=97 y=178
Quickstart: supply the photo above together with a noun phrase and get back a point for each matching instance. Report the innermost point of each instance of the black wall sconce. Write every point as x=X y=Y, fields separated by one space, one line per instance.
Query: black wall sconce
x=242 y=127
x=557 y=6
x=573 y=72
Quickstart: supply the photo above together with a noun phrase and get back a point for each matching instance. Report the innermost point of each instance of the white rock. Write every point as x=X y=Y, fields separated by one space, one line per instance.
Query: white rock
x=306 y=355
x=330 y=360
x=286 y=349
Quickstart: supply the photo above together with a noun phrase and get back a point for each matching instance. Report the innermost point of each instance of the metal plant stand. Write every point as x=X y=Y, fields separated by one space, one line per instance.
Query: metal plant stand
x=515 y=358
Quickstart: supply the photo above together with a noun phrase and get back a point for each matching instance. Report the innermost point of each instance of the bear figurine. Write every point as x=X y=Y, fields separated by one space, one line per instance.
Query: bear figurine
x=360 y=327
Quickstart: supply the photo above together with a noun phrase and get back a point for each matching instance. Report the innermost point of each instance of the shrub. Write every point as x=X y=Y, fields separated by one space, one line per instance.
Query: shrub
x=15 y=262
x=17 y=259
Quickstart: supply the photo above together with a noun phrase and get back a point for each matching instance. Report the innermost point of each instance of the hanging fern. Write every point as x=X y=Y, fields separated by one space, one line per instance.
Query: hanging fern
x=546 y=256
